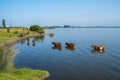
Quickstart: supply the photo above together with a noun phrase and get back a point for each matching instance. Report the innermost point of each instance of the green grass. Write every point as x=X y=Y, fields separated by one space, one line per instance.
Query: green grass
x=4 y=35
x=24 y=74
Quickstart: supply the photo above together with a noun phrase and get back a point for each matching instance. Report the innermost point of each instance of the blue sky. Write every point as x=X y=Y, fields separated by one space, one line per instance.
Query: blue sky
x=61 y=12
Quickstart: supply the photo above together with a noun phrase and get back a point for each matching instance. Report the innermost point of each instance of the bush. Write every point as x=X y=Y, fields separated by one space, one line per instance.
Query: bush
x=22 y=34
x=28 y=33
x=36 y=28
x=16 y=32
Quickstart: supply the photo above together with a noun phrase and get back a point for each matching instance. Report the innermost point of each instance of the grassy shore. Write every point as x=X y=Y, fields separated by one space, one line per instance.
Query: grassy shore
x=24 y=74
x=14 y=33
x=16 y=74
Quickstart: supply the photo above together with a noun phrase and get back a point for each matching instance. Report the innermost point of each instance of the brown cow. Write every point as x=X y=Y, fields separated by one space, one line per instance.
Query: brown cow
x=59 y=48
x=68 y=44
x=51 y=34
x=98 y=47
x=56 y=44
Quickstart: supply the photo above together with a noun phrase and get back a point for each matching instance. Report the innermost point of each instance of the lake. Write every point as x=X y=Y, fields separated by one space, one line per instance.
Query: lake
x=79 y=63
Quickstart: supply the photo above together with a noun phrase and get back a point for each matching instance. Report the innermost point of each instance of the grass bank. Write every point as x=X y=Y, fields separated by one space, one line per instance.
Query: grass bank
x=14 y=33
x=16 y=74
x=24 y=74
x=8 y=72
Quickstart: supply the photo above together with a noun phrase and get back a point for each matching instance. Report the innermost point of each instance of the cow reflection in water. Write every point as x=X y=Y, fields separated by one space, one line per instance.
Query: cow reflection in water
x=57 y=45
x=98 y=49
x=39 y=38
x=70 y=46
x=34 y=44
x=28 y=43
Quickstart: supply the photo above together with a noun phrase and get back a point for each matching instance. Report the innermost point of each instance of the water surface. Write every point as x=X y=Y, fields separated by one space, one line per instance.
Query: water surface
x=78 y=64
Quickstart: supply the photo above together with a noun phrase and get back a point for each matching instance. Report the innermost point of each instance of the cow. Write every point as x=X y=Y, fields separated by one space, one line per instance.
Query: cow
x=98 y=47
x=69 y=44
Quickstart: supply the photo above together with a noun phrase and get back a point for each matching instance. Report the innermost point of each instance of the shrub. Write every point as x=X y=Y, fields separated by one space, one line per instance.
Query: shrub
x=22 y=34
x=36 y=28
x=16 y=32
x=28 y=33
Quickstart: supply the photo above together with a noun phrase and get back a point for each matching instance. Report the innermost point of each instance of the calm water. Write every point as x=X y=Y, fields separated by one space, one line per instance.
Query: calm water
x=78 y=64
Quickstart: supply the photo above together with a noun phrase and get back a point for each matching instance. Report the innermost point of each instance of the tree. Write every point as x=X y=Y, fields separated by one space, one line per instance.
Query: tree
x=4 y=23
x=36 y=28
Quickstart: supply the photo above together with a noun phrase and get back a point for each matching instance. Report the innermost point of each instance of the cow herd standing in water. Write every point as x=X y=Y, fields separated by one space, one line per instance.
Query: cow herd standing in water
x=70 y=46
